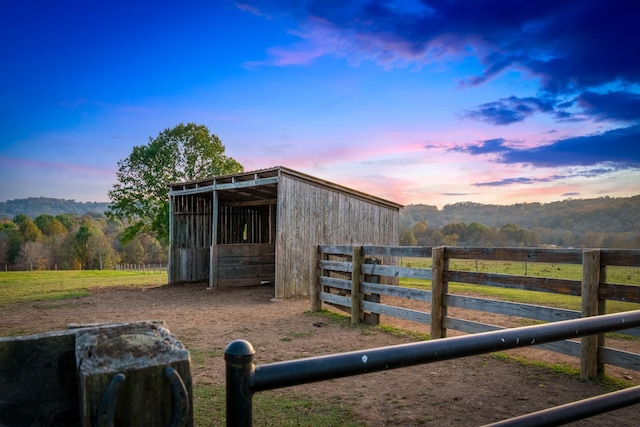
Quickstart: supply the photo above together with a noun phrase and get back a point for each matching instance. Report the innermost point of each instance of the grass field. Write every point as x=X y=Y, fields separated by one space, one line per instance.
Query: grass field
x=25 y=286
x=620 y=275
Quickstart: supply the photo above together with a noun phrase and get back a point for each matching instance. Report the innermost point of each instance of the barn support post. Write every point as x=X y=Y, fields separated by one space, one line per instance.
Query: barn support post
x=213 y=252
x=314 y=287
x=356 y=294
x=170 y=257
x=590 y=282
x=438 y=288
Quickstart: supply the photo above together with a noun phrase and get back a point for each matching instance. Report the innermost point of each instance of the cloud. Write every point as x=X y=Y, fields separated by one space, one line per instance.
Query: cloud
x=618 y=106
x=618 y=147
x=582 y=156
x=518 y=180
x=510 y=110
x=486 y=147
x=575 y=173
x=569 y=45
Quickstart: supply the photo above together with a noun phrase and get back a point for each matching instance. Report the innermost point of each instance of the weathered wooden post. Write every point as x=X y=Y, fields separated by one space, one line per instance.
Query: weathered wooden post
x=127 y=374
x=372 y=318
x=438 y=289
x=37 y=380
x=602 y=309
x=314 y=286
x=356 y=294
x=590 y=283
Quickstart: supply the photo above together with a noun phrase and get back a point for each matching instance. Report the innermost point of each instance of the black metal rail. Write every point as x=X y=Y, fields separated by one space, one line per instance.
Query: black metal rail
x=243 y=378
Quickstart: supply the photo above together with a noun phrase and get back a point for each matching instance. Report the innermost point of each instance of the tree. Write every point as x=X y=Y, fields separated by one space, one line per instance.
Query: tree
x=49 y=225
x=67 y=220
x=81 y=245
x=184 y=153
x=408 y=239
x=100 y=251
x=5 y=245
x=20 y=218
x=154 y=252
x=33 y=256
x=30 y=230
x=420 y=229
x=133 y=252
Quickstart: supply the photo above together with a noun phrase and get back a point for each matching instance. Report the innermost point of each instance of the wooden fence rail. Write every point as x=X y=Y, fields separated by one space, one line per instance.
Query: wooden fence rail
x=354 y=277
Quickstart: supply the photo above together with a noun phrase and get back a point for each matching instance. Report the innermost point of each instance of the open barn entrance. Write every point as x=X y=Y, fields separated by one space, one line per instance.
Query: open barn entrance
x=223 y=232
x=245 y=250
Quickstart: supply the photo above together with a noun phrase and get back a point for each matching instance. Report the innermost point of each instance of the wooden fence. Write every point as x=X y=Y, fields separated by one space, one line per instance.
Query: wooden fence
x=145 y=268
x=352 y=277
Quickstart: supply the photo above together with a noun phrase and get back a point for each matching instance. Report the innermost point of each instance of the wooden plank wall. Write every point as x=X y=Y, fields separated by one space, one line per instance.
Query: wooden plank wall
x=191 y=237
x=246 y=264
x=309 y=215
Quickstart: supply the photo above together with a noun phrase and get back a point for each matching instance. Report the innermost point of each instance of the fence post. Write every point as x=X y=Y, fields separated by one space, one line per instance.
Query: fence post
x=314 y=291
x=239 y=360
x=356 y=294
x=371 y=318
x=602 y=309
x=590 y=282
x=438 y=289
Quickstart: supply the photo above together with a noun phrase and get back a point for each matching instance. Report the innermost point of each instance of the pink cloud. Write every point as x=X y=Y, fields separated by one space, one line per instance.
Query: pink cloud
x=54 y=167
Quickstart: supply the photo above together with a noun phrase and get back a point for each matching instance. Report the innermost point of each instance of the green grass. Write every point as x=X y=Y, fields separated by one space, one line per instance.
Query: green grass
x=273 y=408
x=26 y=286
x=621 y=275
x=615 y=274
x=610 y=384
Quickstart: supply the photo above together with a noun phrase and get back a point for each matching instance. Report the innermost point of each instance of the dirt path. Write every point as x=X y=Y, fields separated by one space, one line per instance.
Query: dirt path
x=465 y=392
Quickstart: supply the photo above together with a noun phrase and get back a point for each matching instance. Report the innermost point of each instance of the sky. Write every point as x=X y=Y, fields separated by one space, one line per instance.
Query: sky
x=416 y=101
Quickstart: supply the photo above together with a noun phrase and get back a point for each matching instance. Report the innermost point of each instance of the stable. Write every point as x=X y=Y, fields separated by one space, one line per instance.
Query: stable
x=261 y=227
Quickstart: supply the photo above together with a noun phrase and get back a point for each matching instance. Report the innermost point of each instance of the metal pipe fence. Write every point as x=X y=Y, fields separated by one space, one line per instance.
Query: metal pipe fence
x=243 y=378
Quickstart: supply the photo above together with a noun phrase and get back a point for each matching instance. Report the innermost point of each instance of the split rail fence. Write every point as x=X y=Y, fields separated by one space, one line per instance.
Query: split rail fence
x=353 y=277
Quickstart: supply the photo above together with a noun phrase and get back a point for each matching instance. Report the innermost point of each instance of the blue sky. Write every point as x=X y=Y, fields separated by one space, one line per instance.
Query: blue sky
x=415 y=101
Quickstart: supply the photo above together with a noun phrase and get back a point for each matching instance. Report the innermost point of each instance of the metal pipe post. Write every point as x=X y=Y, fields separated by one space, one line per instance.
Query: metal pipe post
x=239 y=372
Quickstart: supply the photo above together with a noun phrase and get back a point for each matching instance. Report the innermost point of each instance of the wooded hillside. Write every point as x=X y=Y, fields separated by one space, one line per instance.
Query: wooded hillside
x=602 y=222
x=34 y=206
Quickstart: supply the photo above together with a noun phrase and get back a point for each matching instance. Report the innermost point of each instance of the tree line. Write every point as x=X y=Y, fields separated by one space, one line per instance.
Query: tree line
x=34 y=206
x=72 y=242
x=590 y=223
x=134 y=228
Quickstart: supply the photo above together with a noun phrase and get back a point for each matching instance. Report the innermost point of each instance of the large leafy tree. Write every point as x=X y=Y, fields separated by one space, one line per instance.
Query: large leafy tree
x=184 y=153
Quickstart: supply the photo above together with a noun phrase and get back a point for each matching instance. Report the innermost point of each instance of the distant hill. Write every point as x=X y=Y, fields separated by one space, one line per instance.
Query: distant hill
x=34 y=206
x=604 y=214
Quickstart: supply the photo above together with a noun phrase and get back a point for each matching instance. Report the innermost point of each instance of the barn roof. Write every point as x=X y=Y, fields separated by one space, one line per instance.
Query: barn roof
x=261 y=186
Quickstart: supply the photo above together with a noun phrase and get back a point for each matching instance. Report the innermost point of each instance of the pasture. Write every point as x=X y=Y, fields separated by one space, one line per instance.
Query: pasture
x=470 y=391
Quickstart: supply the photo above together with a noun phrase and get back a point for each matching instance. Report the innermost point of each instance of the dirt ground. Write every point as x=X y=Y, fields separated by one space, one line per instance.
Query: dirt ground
x=470 y=391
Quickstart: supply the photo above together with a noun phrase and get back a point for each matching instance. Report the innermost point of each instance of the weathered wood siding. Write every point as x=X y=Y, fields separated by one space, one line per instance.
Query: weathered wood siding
x=191 y=225
x=309 y=214
x=246 y=264
x=190 y=265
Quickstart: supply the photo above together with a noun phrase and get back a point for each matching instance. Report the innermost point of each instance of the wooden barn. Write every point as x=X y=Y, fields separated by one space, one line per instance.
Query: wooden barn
x=260 y=227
